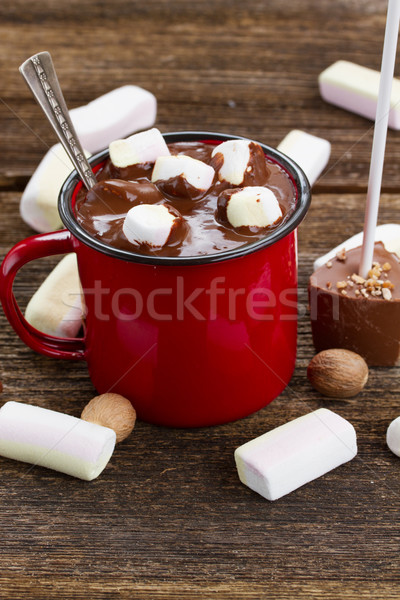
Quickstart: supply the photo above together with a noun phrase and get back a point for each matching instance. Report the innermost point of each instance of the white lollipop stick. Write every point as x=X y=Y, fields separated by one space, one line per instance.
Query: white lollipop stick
x=380 y=132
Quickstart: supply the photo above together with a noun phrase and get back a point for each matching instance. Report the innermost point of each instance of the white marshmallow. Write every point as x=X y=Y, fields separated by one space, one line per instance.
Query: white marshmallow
x=393 y=436
x=56 y=307
x=148 y=224
x=236 y=155
x=114 y=115
x=310 y=152
x=196 y=172
x=355 y=88
x=389 y=234
x=38 y=205
x=295 y=453
x=253 y=206
x=54 y=440
x=142 y=147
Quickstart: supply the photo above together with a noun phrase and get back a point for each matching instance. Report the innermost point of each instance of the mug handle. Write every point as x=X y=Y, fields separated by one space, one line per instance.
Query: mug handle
x=37 y=246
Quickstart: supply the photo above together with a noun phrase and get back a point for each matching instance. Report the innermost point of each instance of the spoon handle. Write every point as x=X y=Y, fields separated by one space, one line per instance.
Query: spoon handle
x=40 y=75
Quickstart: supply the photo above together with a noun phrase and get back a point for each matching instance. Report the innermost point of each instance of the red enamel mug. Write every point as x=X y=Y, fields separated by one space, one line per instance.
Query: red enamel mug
x=191 y=341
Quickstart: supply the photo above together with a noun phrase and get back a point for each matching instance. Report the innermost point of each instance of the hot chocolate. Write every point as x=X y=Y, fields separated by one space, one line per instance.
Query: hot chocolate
x=199 y=226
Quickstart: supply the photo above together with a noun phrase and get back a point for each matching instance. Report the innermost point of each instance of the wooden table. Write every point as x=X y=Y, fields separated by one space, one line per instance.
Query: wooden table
x=169 y=517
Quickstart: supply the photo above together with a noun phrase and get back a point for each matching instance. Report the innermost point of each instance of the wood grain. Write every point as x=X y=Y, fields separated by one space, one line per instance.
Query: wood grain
x=169 y=518
x=253 y=67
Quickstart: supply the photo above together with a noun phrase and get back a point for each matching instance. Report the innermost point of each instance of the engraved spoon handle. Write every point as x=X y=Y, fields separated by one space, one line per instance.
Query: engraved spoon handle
x=40 y=75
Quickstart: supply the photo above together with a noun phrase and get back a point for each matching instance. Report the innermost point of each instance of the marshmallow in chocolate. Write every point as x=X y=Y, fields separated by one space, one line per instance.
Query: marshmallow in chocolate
x=182 y=176
x=139 y=148
x=251 y=207
x=151 y=224
x=240 y=162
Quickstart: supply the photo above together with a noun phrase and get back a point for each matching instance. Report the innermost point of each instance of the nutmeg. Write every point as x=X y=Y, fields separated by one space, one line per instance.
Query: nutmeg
x=113 y=411
x=338 y=373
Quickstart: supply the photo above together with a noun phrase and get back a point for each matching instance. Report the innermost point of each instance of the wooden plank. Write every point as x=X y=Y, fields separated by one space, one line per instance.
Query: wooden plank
x=249 y=72
x=169 y=518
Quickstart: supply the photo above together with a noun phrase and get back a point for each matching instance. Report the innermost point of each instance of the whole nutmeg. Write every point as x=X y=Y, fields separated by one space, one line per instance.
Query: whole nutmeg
x=113 y=411
x=338 y=373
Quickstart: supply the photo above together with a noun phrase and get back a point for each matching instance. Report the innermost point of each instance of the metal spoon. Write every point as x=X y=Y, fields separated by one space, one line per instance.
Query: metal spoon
x=40 y=75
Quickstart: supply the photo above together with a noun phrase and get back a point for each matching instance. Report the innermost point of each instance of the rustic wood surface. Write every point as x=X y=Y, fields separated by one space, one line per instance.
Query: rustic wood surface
x=169 y=518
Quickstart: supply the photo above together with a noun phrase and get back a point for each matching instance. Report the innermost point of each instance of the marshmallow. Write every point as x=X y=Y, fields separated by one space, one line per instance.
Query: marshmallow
x=38 y=205
x=139 y=148
x=355 y=88
x=149 y=224
x=194 y=172
x=236 y=157
x=56 y=307
x=54 y=440
x=253 y=206
x=295 y=453
x=393 y=436
x=114 y=115
x=389 y=234
x=311 y=153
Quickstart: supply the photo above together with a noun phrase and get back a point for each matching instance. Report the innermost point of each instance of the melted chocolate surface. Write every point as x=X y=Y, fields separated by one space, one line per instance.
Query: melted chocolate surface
x=102 y=210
